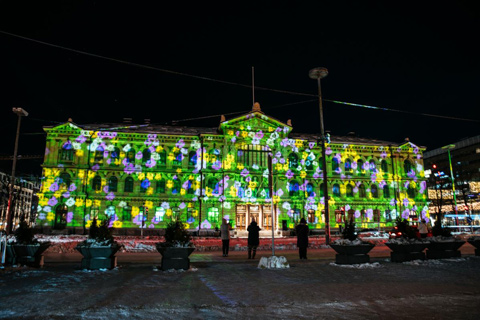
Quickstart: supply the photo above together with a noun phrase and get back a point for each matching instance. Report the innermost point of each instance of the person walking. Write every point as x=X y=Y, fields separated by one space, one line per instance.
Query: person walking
x=253 y=239
x=225 y=235
x=423 y=229
x=302 y=231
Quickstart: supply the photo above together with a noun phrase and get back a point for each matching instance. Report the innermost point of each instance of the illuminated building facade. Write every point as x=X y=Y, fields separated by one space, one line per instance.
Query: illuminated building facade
x=144 y=176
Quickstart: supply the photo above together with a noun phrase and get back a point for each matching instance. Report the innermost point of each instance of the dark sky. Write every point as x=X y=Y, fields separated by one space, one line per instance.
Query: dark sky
x=413 y=56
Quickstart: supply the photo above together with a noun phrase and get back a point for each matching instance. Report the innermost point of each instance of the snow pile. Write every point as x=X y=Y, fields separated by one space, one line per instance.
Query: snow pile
x=357 y=266
x=273 y=262
x=346 y=242
x=475 y=238
x=405 y=241
x=133 y=246
x=93 y=243
x=442 y=239
x=192 y=269
x=432 y=262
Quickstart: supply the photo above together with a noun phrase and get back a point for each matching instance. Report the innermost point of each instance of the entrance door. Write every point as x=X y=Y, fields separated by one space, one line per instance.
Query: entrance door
x=61 y=217
x=254 y=214
x=241 y=217
x=267 y=217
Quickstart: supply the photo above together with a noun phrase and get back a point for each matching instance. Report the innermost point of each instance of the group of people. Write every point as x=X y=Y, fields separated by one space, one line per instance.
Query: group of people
x=253 y=229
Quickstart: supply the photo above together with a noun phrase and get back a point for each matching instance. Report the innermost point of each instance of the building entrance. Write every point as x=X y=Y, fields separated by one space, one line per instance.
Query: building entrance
x=262 y=214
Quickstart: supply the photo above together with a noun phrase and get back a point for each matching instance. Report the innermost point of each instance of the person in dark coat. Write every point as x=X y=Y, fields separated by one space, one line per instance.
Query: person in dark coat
x=253 y=239
x=302 y=238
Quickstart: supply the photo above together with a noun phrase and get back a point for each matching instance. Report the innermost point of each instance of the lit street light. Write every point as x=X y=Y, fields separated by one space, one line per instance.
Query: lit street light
x=449 y=147
x=20 y=113
x=319 y=73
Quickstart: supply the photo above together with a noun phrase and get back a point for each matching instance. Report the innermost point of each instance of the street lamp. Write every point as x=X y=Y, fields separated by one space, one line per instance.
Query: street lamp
x=20 y=113
x=319 y=73
x=449 y=147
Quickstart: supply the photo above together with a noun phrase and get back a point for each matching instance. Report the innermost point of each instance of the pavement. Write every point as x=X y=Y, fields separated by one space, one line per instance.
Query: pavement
x=219 y=287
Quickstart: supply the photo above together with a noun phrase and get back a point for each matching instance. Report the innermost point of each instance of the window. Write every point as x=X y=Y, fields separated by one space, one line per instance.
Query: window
x=386 y=191
x=349 y=191
x=213 y=185
x=159 y=214
x=296 y=214
x=176 y=186
x=384 y=166
x=361 y=191
x=162 y=158
x=292 y=161
x=128 y=184
x=253 y=157
x=144 y=185
x=374 y=191
x=64 y=180
x=97 y=183
x=192 y=159
x=115 y=156
x=376 y=215
x=322 y=192
x=320 y=163
x=372 y=166
x=190 y=189
x=110 y=211
x=112 y=184
x=309 y=162
x=130 y=156
x=411 y=192
x=160 y=186
x=99 y=154
x=127 y=213
x=177 y=159
x=407 y=166
x=213 y=158
x=67 y=152
x=212 y=214
x=348 y=165
x=360 y=168
x=147 y=154
x=294 y=188
x=310 y=191
x=335 y=165
x=336 y=190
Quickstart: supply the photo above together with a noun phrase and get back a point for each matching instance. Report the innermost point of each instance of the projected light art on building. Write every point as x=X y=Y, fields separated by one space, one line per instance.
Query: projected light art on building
x=146 y=176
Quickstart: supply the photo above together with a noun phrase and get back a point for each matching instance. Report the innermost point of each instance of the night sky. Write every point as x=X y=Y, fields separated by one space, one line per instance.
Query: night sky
x=404 y=55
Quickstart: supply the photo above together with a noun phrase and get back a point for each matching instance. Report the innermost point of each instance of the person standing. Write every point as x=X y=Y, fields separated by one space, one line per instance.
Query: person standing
x=253 y=239
x=423 y=229
x=225 y=235
x=302 y=231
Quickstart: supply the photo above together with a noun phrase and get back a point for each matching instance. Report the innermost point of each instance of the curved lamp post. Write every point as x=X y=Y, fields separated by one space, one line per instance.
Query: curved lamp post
x=318 y=74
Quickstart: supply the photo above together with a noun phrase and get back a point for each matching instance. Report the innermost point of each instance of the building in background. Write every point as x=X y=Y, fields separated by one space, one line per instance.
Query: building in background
x=465 y=162
x=24 y=200
x=143 y=176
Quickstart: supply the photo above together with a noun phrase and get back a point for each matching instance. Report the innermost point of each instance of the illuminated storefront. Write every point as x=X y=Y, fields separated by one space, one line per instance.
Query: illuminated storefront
x=145 y=176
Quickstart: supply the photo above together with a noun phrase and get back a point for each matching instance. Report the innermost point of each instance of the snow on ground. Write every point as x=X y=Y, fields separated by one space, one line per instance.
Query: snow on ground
x=357 y=266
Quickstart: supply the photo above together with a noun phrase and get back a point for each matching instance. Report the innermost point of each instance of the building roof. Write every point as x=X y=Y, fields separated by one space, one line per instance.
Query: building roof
x=458 y=145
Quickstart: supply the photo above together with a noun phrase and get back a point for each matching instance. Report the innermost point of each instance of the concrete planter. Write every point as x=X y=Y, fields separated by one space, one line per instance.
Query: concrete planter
x=352 y=254
x=444 y=250
x=402 y=252
x=476 y=244
x=99 y=257
x=27 y=254
x=173 y=257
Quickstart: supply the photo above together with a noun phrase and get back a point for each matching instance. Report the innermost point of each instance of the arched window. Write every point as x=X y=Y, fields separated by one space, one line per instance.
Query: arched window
x=128 y=184
x=335 y=165
x=112 y=184
x=177 y=185
x=360 y=168
x=213 y=185
x=320 y=163
x=361 y=191
x=292 y=161
x=384 y=166
x=374 y=191
x=115 y=156
x=177 y=159
x=190 y=187
x=336 y=190
x=386 y=191
x=192 y=159
x=310 y=190
x=64 y=180
x=411 y=192
x=144 y=185
x=407 y=166
x=322 y=192
x=213 y=157
x=127 y=213
x=99 y=154
x=160 y=188
x=348 y=165
x=147 y=154
x=130 y=156
x=294 y=188
x=97 y=183
x=372 y=166
x=349 y=190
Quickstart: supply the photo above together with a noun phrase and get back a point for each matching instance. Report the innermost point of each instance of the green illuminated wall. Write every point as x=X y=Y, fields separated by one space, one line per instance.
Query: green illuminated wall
x=141 y=177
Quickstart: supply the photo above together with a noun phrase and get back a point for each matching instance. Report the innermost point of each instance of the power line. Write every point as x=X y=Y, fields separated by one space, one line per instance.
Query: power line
x=229 y=82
